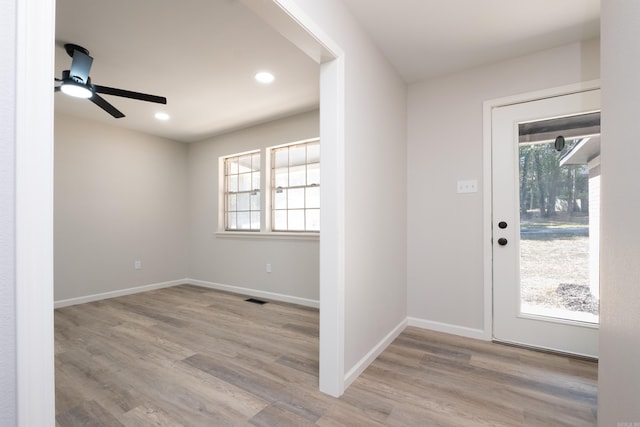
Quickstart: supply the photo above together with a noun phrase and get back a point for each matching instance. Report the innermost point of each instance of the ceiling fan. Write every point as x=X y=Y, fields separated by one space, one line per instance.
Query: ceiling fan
x=77 y=83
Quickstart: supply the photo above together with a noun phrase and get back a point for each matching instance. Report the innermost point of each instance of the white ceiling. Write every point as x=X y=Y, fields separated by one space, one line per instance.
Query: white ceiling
x=202 y=54
x=428 y=38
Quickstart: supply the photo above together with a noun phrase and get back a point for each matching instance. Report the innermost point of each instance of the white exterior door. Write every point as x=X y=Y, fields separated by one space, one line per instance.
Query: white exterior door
x=544 y=290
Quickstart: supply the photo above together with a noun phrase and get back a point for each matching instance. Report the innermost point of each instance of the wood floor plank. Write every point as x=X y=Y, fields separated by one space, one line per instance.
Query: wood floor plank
x=340 y=415
x=141 y=416
x=79 y=377
x=279 y=393
x=190 y=356
x=274 y=415
x=87 y=414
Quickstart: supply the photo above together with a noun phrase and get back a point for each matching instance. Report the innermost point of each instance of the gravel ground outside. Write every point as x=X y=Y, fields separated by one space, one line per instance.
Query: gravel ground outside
x=555 y=270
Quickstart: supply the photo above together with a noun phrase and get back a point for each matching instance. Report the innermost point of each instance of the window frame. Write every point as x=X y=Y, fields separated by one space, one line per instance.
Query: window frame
x=274 y=188
x=226 y=192
x=265 y=230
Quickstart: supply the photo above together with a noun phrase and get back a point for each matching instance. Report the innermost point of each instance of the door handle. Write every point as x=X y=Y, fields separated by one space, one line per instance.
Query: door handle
x=502 y=241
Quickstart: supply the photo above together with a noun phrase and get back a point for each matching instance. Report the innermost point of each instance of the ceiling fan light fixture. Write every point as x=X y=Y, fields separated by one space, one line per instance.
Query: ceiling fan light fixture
x=76 y=82
x=77 y=90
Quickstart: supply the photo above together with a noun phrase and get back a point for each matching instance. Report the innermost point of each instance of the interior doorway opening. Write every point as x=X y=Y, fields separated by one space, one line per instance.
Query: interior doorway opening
x=34 y=241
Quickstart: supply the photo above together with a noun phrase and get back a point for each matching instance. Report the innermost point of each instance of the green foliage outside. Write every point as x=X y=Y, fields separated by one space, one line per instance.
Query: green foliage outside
x=548 y=190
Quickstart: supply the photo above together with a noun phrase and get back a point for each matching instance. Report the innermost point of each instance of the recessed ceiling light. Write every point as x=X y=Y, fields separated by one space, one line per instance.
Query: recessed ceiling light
x=162 y=116
x=264 y=77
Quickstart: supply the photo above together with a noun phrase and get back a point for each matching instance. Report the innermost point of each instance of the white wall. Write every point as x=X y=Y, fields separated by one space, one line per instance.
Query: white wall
x=8 y=379
x=26 y=272
x=374 y=187
x=241 y=261
x=445 y=144
x=120 y=196
x=619 y=373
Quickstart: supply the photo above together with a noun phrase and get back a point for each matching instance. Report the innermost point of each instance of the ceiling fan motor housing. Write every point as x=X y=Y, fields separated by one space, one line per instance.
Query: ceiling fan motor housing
x=66 y=76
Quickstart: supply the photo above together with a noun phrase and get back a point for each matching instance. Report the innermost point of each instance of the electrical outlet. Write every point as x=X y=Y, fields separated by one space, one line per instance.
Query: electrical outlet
x=268 y=268
x=137 y=264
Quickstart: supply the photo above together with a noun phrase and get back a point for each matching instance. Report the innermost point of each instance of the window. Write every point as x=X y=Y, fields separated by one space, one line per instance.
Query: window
x=287 y=176
x=242 y=192
x=295 y=187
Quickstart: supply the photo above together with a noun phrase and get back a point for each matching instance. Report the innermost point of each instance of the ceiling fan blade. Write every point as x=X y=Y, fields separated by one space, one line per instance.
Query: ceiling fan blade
x=102 y=103
x=80 y=66
x=129 y=94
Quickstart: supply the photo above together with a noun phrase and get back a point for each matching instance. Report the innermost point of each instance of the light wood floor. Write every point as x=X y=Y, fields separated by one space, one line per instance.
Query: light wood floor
x=189 y=356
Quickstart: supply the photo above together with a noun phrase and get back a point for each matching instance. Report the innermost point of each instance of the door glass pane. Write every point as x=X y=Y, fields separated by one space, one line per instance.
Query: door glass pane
x=559 y=219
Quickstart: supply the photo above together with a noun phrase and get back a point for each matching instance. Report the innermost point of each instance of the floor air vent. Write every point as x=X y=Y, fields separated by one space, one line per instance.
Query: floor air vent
x=255 y=301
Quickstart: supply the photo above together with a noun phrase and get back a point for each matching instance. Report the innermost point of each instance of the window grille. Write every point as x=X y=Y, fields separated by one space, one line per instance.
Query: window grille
x=242 y=192
x=295 y=187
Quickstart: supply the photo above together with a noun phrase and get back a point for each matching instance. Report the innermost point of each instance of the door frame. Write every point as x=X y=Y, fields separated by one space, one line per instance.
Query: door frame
x=487 y=186
x=34 y=32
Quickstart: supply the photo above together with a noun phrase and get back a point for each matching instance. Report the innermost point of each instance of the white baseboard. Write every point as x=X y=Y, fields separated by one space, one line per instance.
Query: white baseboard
x=118 y=293
x=375 y=352
x=447 y=328
x=255 y=293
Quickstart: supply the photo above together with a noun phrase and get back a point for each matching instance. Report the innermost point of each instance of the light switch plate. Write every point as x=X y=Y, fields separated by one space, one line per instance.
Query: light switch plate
x=468 y=186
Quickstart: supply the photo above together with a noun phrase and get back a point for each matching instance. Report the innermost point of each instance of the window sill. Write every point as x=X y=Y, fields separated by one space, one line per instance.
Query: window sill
x=267 y=235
